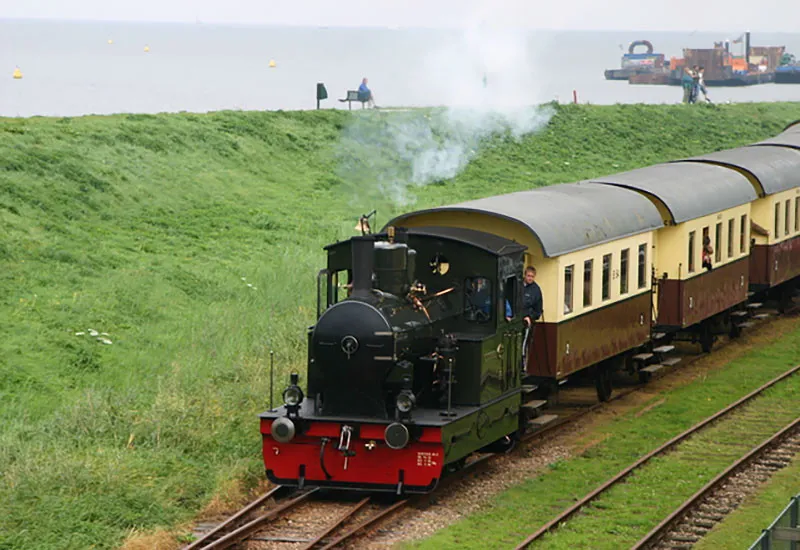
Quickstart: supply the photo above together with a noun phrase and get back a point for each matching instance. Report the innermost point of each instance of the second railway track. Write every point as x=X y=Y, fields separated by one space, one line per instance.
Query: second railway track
x=752 y=419
x=708 y=506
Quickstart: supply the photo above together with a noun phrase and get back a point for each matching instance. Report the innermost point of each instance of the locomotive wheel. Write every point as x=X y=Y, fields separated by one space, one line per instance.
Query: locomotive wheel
x=603 y=383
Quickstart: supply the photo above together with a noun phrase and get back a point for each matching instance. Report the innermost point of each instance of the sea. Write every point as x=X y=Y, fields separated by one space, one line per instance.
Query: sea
x=73 y=68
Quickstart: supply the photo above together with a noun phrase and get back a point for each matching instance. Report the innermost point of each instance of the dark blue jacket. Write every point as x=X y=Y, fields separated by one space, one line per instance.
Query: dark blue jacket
x=532 y=301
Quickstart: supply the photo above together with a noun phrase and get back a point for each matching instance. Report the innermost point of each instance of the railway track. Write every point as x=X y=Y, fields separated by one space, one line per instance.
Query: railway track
x=666 y=447
x=353 y=522
x=708 y=506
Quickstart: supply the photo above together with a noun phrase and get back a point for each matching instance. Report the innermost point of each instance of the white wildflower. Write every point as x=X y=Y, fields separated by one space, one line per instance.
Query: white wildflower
x=93 y=332
x=105 y=341
x=79 y=333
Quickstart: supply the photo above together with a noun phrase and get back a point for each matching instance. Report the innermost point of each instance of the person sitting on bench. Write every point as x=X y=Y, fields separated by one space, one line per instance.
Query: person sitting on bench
x=365 y=94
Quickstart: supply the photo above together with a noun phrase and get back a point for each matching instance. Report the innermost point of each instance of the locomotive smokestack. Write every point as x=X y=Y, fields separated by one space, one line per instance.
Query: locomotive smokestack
x=363 y=264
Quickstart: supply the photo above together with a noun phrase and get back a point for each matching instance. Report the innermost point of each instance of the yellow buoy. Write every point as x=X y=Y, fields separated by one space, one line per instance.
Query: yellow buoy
x=147 y=48
x=17 y=73
x=272 y=64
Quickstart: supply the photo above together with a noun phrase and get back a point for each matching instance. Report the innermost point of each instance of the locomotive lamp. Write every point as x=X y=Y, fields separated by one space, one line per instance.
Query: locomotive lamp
x=405 y=401
x=293 y=395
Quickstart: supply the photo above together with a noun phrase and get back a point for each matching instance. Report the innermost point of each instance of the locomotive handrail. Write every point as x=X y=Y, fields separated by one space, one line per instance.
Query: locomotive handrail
x=319 y=290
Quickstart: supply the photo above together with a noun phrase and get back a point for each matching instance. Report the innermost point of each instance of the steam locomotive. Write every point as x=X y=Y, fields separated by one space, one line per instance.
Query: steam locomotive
x=420 y=355
x=408 y=373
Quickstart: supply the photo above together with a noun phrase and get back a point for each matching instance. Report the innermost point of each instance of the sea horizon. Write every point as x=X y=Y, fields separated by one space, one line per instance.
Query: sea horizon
x=77 y=67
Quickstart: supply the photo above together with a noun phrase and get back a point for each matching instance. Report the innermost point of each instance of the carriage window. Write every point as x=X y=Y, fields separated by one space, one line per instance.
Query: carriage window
x=509 y=296
x=743 y=235
x=623 y=271
x=478 y=299
x=718 y=243
x=642 y=265
x=568 y=283
x=786 y=218
x=731 y=229
x=777 y=219
x=587 y=282
x=691 y=251
x=797 y=214
x=606 y=276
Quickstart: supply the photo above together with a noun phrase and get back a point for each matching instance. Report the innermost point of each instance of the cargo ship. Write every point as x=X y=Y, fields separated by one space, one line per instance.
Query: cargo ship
x=721 y=67
x=638 y=63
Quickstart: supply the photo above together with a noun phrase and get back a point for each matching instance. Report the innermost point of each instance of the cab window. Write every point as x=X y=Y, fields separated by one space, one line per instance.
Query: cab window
x=478 y=302
x=509 y=293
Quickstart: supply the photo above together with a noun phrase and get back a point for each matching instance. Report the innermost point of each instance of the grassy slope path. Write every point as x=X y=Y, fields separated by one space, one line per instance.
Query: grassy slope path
x=150 y=228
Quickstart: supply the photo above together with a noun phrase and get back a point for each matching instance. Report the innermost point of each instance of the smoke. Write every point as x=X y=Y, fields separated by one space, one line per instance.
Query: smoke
x=484 y=77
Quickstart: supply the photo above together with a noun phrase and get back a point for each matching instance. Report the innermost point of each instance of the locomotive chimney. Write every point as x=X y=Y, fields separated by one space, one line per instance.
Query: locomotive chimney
x=363 y=264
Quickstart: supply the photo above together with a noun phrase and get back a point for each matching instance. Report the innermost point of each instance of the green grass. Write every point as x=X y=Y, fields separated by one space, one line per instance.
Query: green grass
x=743 y=526
x=628 y=512
x=144 y=227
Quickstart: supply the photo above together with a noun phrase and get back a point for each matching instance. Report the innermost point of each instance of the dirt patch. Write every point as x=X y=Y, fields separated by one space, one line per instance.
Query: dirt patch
x=158 y=540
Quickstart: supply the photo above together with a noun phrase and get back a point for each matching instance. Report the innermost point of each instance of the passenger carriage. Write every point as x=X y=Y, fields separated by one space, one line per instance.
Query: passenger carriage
x=776 y=248
x=698 y=203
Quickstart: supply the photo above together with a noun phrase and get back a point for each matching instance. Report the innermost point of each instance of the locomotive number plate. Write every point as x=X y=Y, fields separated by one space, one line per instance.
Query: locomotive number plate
x=425 y=458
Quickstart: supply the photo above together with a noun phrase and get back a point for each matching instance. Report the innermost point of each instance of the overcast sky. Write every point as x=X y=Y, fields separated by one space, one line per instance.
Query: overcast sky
x=691 y=15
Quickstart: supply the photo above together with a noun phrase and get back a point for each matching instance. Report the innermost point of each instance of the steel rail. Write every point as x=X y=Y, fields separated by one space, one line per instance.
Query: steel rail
x=252 y=526
x=232 y=519
x=366 y=523
x=715 y=483
x=666 y=446
x=348 y=514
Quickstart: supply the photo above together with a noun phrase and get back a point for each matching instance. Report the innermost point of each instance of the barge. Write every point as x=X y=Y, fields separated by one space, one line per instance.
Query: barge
x=721 y=67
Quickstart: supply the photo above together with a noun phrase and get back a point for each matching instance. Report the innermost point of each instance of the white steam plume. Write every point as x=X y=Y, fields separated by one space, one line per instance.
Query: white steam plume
x=488 y=83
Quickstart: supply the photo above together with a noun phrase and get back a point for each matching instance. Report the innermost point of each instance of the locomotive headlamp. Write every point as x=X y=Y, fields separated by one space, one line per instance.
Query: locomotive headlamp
x=405 y=401
x=396 y=435
x=282 y=430
x=293 y=395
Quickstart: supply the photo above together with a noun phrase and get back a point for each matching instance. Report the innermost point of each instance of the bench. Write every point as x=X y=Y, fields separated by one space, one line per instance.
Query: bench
x=352 y=95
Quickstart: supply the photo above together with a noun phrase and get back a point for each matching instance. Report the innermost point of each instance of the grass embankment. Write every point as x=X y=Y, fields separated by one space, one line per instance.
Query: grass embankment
x=151 y=228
